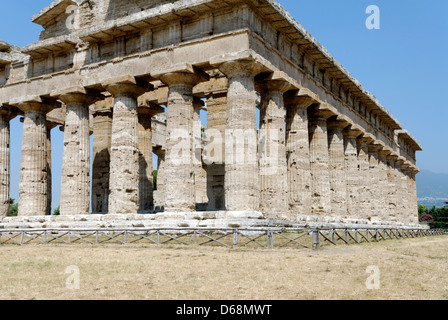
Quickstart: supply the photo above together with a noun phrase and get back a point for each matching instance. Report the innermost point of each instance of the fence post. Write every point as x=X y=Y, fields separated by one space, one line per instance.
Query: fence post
x=316 y=239
x=235 y=238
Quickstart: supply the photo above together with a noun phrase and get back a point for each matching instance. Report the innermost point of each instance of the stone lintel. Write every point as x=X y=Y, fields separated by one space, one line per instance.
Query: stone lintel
x=150 y=109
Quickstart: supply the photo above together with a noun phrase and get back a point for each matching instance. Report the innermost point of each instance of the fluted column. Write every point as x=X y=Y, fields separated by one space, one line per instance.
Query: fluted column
x=200 y=174
x=146 y=185
x=393 y=188
x=124 y=158
x=365 y=210
x=75 y=179
x=373 y=179
x=215 y=132
x=404 y=195
x=50 y=126
x=102 y=132
x=351 y=171
x=242 y=186
x=338 y=184
x=33 y=167
x=274 y=199
x=179 y=169
x=383 y=185
x=298 y=155
x=319 y=160
x=6 y=114
x=413 y=207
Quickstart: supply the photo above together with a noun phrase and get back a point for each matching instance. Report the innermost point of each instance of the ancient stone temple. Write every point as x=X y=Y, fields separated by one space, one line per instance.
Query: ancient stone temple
x=289 y=134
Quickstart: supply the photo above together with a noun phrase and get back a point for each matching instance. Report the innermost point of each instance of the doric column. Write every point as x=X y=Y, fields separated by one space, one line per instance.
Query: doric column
x=274 y=201
x=338 y=184
x=365 y=210
x=145 y=114
x=6 y=114
x=394 y=214
x=383 y=184
x=319 y=160
x=400 y=188
x=124 y=158
x=200 y=174
x=50 y=126
x=215 y=133
x=75 y=179
x=33 y=173
x=404 y=198
x=159 y=201
x=179 y=169
x=413 y=201
x=242 y=187
x=374 y=180
x=298 y=155
x=102 y=132
x=351 y=170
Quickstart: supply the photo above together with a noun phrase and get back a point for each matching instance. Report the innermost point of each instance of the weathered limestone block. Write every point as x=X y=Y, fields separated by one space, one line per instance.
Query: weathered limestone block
x=102 y=127
x=274 y=199
x=179 y=169
x=33 y=173
x=338 y=185
x=351 y=170
x=319 y=160
x=215 y=151
x=124 y=158
x=242 y=186
x=298 y=155
x=6 y=114
x=75 y=179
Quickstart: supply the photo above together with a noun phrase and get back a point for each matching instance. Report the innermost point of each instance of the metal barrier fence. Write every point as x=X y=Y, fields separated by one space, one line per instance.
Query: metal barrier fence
x=312 y=238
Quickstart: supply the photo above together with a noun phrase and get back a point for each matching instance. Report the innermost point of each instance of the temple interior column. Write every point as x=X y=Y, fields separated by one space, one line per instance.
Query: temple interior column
x=102 y=133
x=124 y=158
x=180 y=193
x=146 y=181
x=298 y=155
x=242 y=186
x=274 y=201
x=338 y=186
x=215 y=164
x=200 y=173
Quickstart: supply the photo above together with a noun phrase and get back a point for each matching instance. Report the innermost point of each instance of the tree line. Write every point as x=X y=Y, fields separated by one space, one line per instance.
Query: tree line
x=437 y=218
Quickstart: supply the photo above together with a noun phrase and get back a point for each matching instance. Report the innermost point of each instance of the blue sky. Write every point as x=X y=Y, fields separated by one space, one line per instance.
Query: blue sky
x=403 y=64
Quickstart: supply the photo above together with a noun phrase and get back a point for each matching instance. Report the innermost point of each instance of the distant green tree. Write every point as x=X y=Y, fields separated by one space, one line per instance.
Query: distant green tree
x=13 y=208
x=422 y=210
x=154 y=179
x=57 y=211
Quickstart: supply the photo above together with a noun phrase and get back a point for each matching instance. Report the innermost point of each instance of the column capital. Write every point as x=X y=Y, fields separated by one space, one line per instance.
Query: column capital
x=180 y=78
x=8 y=112
x=366 y=138
x=337 y=124
x=352 y=131
x=127 y=86
x=392 y=157
x=375 y=147
x=36 y=104
x=275 y=82
x=241 y=67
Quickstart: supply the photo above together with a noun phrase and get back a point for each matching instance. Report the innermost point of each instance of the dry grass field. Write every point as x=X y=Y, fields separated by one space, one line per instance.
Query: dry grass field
x=408 y=269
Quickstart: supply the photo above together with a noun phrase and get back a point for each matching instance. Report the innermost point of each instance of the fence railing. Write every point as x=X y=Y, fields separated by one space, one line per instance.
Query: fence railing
x=312 y=238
